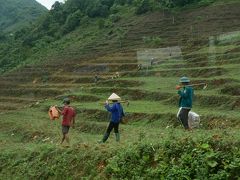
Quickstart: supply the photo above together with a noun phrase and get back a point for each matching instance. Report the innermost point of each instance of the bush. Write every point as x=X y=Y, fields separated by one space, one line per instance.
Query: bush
x=152 y=41
x=72 y=21
x=177 y=159
x=107 y=3
x=97 y=10
x=142 y=6
x=115 y=9
x=114 y=18
x=101 y=23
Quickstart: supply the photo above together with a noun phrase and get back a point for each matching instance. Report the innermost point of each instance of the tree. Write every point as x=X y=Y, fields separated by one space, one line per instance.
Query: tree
x=143 y=6
x=97 y=10
x=108 y=3
x=73 y=20
x=56 y=6
x=57 y=13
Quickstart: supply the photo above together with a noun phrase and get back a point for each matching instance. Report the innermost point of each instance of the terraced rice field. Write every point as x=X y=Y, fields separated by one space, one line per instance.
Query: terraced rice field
x=26 y=94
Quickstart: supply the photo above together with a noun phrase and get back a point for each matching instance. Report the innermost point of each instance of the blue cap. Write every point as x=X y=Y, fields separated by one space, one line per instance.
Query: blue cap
x=184 y=80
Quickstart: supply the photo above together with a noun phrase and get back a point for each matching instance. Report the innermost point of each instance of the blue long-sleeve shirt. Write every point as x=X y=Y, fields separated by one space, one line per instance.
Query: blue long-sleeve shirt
x=117 y=112
x=186 y=97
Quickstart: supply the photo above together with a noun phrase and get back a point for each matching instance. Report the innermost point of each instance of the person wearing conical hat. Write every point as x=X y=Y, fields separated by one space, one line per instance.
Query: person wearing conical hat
x=116 y=115
x=185 y=101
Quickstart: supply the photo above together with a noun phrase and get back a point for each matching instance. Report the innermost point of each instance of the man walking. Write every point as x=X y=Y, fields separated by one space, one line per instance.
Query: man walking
x=68 y=120
x=185 y=101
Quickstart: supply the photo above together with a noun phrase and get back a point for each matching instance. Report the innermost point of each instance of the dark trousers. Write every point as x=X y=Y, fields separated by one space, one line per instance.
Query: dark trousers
x=109 y=129
x=183 y=117
x=111 y=126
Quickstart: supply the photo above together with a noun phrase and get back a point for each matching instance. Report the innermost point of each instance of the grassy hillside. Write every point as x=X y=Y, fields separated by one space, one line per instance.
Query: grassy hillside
x=95 y=21
x=201 y=43
x=15 y=14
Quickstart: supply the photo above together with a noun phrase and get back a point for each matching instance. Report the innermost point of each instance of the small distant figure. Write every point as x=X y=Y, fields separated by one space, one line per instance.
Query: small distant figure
x=152 y=62
x=117 y=75
x=96 y=78
x=68 y=121
x=139 y=67
x=35 y=81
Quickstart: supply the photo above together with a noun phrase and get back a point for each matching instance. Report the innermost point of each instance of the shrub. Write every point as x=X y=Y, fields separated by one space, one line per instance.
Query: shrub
x=182 y=158
x=142 y=6
x=72 y=21
x=101 y=23
x=114 y=18
x=152 y=41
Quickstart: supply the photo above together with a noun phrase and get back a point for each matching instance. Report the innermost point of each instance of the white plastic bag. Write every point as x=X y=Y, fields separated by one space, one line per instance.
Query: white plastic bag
x=193 y=120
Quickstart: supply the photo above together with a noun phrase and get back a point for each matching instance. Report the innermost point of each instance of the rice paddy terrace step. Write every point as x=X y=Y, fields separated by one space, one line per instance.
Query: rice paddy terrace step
x=80 y=78
x=4 y=99
x=7 y=108
x=131 y=94
x=7 y=84
x=80 y=97
x=203 y=25
x=31 y=92
x=15 y=103
x=48 y=85
x=196 y=57
x=70 y=79
x=191 y=72
x=207 y=63
x=116 y=59
x=202 y=99
x=119 y=83
x=104 y=67
x=167 y=119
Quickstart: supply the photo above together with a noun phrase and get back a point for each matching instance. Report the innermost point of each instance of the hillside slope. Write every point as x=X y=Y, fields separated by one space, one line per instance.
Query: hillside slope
x=201 y=43
x=15 y=14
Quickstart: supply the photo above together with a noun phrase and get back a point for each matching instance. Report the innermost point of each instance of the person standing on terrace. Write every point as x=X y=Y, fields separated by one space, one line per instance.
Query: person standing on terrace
x=116 y=116
x=185 y=93
x=68 y=120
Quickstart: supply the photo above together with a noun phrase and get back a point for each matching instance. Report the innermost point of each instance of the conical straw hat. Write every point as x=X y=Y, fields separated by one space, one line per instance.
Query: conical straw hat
x=114 y=97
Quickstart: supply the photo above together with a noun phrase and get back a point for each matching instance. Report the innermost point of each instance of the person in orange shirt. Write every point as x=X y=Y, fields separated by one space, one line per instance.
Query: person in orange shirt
x=68 y=120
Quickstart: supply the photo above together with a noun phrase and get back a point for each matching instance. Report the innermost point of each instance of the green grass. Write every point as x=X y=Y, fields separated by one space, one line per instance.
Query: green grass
x=153 y=143
x=43 y=155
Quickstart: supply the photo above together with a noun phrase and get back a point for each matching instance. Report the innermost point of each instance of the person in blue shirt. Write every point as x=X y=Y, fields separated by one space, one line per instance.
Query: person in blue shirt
x=185 y=101
x=116 y=115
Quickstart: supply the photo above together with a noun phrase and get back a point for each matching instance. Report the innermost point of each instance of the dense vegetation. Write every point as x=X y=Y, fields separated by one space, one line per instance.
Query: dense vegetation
x=65 y=18
x=14 y=14
x=177 y=158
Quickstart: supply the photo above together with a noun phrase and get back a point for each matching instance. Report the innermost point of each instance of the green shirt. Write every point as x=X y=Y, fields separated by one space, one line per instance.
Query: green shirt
x=186 y=97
